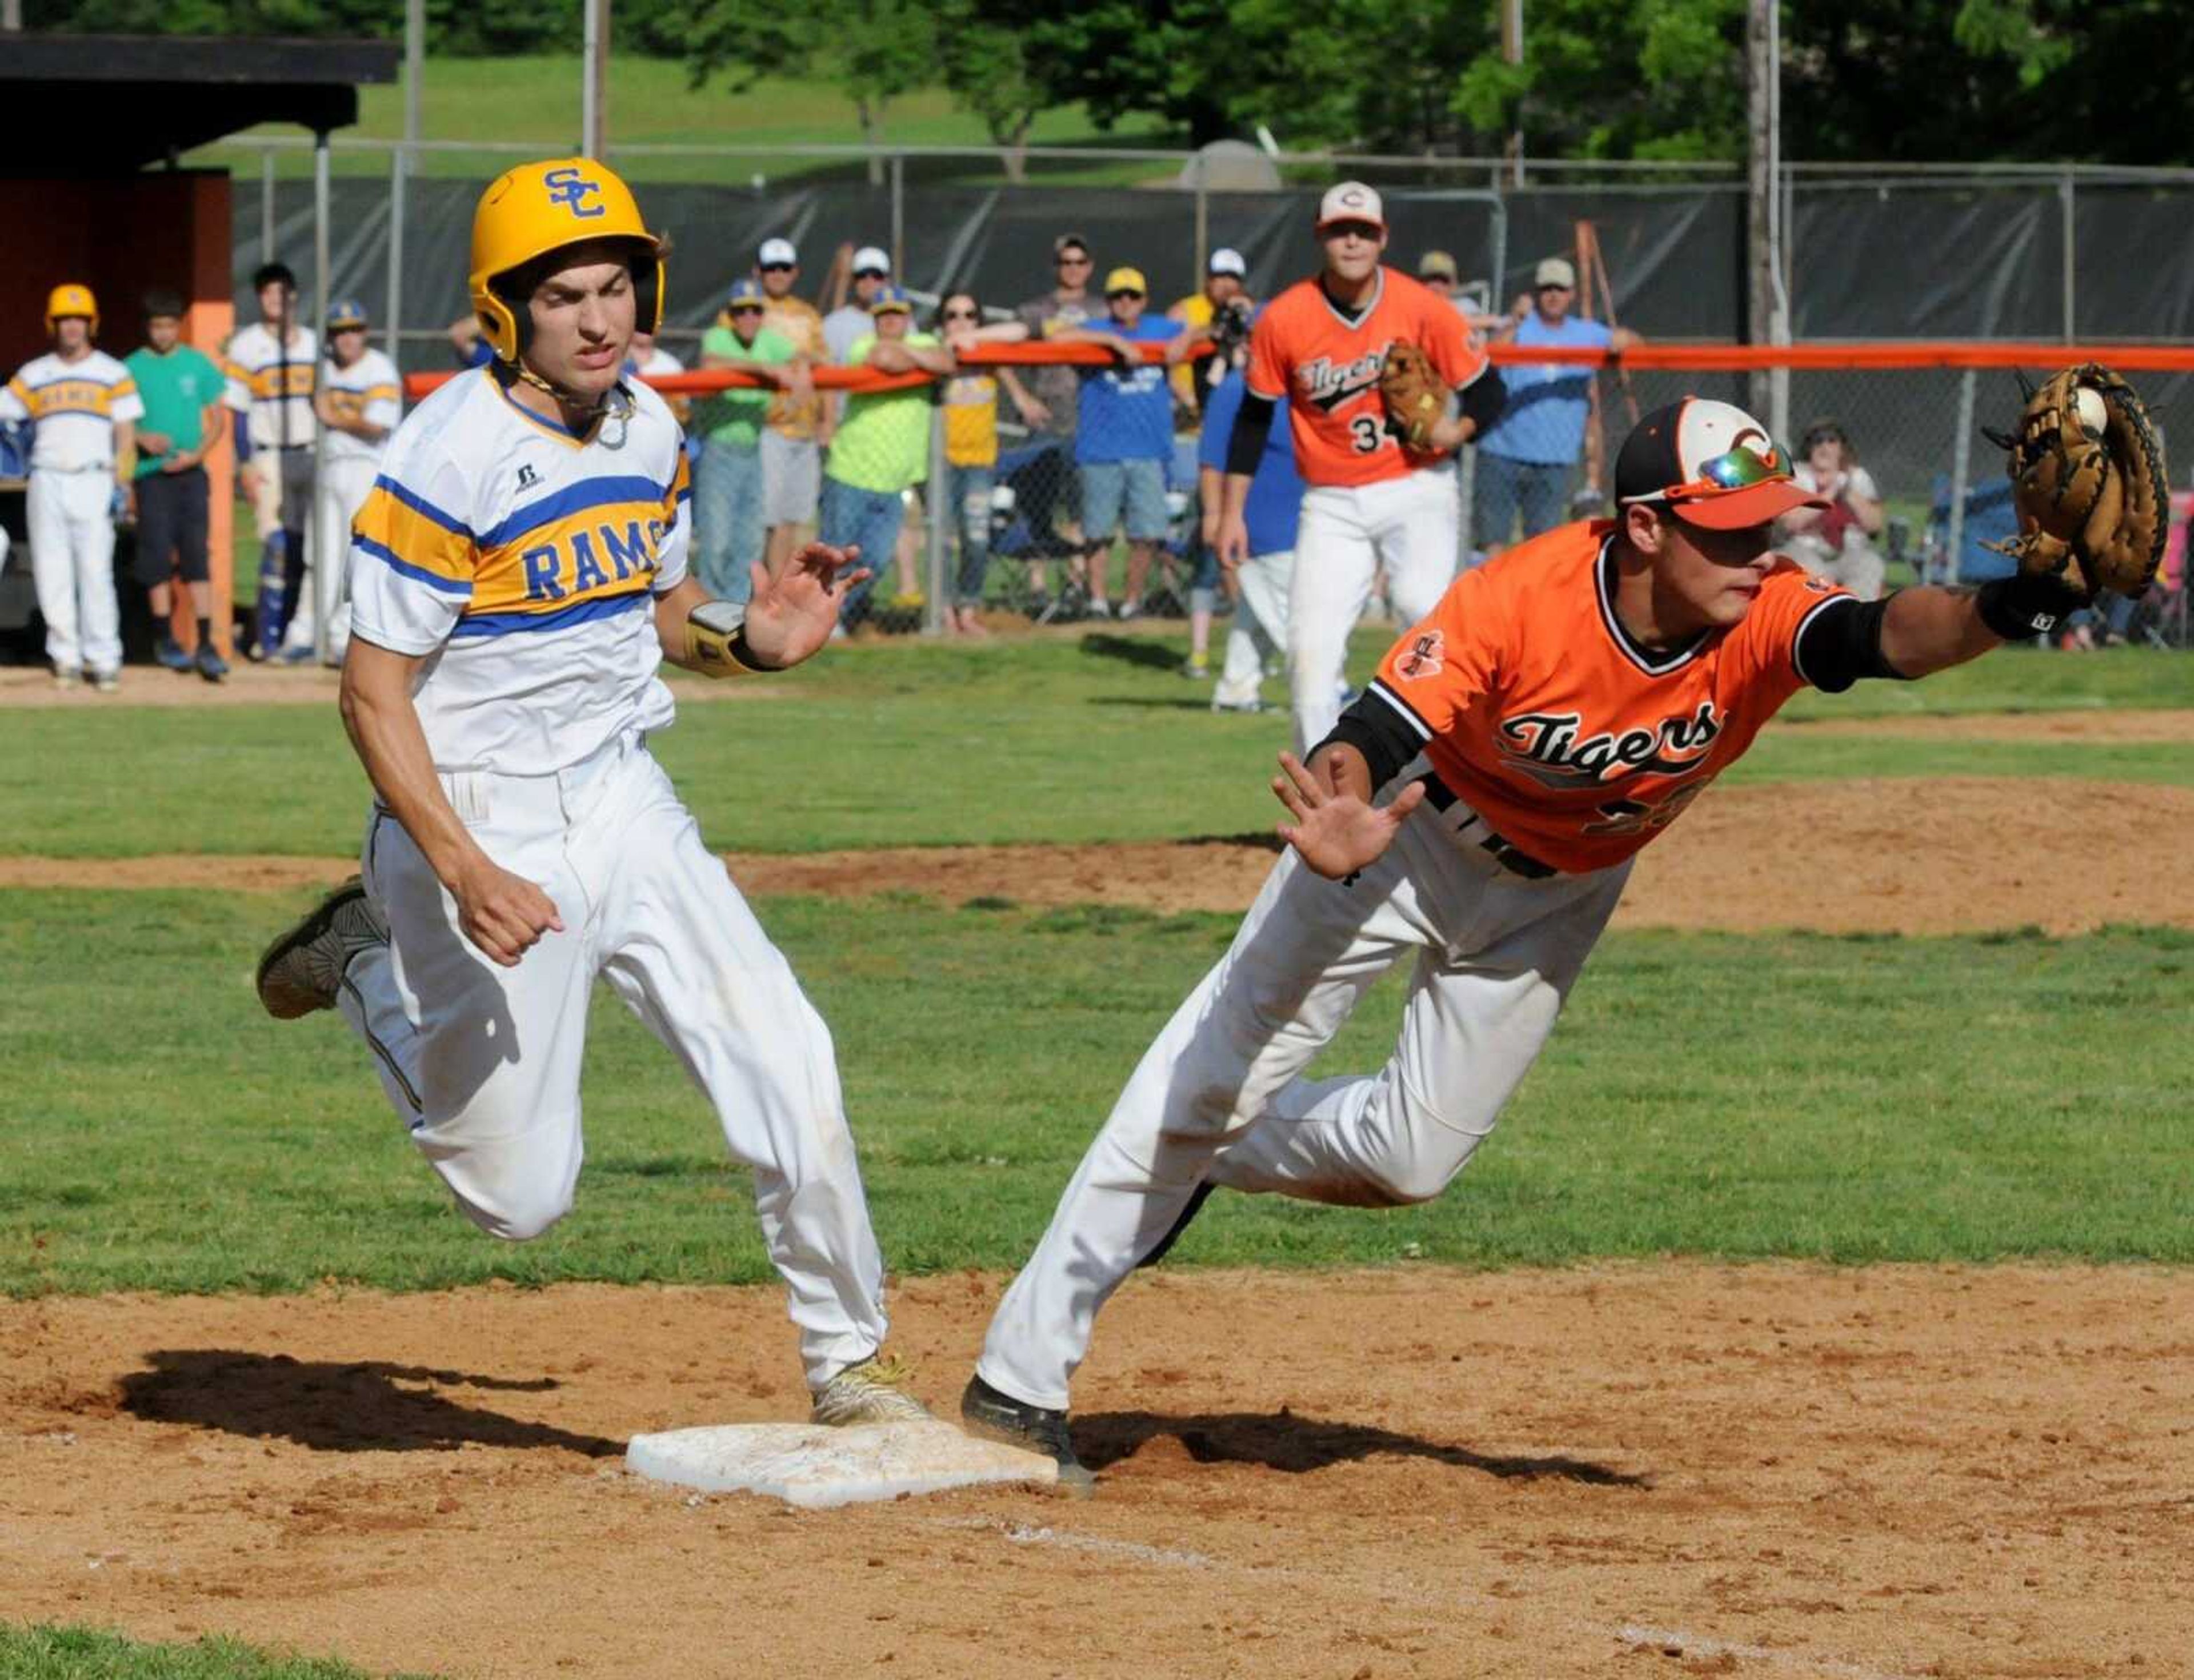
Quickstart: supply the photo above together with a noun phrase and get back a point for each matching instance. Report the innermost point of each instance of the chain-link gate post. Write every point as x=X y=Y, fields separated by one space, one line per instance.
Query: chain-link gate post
x=399 y=161
x=939 y=522
x=1962 y=450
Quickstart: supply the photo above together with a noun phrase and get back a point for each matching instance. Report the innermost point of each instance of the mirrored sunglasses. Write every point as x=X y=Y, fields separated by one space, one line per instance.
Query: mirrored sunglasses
x=1738 y=469
x=776 y=268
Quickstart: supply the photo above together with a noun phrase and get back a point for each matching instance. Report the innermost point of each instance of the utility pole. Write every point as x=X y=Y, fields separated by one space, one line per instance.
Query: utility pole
x=1512 y=52
x=1761 y=208
x=595 y=86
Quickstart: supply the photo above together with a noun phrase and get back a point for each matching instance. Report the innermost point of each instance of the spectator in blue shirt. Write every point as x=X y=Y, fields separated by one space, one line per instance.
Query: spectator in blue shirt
x=1259 y=583
x=1526 y=462
x=1124 y=436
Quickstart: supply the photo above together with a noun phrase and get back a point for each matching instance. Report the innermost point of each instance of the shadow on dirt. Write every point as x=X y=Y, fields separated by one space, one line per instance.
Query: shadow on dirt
x=1283 y=1442
x=366 y=1407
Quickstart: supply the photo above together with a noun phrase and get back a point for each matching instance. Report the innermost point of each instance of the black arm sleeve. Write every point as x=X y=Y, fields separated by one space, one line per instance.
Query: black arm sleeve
x=1839 y=642
x=1252 y=424
x=1483 y=400
x=1375 y=730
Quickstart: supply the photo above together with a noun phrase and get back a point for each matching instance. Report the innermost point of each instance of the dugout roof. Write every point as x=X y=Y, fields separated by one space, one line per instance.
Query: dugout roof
x=107 y=104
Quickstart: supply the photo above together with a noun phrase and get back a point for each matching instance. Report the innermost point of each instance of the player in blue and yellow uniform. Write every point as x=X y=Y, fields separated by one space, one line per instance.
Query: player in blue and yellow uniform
x=518 y=574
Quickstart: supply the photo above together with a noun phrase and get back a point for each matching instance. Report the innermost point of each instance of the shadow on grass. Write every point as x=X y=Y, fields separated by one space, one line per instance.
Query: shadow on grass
x=359 y=1406
x=1147 y=651
x=1283 y=1442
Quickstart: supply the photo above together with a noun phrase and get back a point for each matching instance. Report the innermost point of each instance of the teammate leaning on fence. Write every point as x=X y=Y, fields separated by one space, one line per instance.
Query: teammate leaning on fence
x=518 y=575
x=1475 y=812
x=1370 y=501
x=83 y=407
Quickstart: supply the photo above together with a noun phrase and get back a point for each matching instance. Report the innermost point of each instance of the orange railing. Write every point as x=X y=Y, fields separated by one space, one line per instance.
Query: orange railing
x=1876 y=354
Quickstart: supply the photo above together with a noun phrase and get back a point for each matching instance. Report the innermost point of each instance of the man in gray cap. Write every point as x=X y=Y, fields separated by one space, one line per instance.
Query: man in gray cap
x=1526 y=461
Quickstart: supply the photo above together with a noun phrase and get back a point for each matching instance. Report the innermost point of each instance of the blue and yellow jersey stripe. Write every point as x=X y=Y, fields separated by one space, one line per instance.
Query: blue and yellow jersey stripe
x=583 y=551
x=72 y=394
x=410 y=534
x=275 y=381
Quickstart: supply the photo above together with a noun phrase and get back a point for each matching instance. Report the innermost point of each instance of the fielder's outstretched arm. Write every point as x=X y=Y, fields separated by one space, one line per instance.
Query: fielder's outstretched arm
x=503 y=914
x=1917 y=631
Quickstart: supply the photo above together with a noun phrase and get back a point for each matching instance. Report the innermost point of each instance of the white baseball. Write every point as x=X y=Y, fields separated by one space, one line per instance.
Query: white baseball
x=2094 y=417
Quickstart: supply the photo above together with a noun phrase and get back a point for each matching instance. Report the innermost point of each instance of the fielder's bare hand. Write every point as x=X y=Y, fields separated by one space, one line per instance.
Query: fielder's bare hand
x=1336 y=833
x=1233 y=546
x=503 y=914
x=791 y=614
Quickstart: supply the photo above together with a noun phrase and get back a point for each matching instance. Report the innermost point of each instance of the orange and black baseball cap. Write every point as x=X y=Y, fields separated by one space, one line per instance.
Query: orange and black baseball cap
x=1710 y=464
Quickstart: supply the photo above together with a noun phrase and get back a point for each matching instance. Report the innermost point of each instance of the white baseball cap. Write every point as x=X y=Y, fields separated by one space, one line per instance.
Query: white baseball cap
x=776 y=250
x=1227 y=261
x=1351 y=201
x=1555 y=271
x=1711 y=463
x=870 y=260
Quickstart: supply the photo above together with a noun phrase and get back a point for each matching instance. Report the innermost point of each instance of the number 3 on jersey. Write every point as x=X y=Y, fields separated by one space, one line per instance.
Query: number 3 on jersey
x=1365 y=434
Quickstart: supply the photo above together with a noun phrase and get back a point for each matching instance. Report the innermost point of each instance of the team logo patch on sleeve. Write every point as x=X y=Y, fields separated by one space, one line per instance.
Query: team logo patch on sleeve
x=1424 y=658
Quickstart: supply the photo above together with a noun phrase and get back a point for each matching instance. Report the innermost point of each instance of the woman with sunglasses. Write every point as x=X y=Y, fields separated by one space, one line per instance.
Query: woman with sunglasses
x=1836 y=544
x=1476 y=813
x=971 y=448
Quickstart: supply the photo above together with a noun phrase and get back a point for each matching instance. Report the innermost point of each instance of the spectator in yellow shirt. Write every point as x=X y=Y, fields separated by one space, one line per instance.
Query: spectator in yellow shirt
x=971 y=450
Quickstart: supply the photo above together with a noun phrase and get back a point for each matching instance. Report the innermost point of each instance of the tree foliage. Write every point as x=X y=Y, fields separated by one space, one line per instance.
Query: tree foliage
x=1934 y=79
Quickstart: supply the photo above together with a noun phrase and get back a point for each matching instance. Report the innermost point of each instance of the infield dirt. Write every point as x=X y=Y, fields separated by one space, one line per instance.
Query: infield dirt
x=1961 y=854
x=1630 y=1470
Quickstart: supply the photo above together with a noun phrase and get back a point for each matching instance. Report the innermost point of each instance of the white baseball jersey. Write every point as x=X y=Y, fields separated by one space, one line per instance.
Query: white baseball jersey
x=274 y=383
x=368 y=390
x=74 y=405
x=524 y=561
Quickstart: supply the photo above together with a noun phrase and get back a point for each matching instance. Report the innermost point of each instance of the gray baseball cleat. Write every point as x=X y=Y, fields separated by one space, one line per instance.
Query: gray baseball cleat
x=302 y=970
x=873 y=1391
x=995 y=1416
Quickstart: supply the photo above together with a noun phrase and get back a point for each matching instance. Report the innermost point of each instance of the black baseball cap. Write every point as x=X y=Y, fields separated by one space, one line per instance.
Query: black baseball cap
x=1711 y=464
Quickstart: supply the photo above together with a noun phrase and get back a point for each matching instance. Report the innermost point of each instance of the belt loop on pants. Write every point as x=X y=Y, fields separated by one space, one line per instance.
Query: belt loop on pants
x=1510 y=857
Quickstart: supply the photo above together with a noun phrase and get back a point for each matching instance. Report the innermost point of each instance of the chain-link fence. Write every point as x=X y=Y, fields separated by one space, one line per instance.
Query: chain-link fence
x=1056 y=491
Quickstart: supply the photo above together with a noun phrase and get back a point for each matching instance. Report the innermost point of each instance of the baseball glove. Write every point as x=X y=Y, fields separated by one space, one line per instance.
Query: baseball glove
x=2090 y=501
x=1414 y=395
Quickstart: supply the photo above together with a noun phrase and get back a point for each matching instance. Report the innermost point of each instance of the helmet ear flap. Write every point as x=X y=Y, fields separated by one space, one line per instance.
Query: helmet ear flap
x=647 y=290
x=507 y=324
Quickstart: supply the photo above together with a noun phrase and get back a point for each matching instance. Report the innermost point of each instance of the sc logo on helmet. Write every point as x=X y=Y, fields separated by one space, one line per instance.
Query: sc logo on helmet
x=568 y=187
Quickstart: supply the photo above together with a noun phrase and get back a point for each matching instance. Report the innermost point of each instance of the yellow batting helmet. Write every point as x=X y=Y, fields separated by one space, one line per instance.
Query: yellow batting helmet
x=539 y=208
x=71 y=299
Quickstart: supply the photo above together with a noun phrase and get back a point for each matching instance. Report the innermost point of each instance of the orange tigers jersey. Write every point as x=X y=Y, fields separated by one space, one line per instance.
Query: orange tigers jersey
x=1572 y=741
x=1306 y=351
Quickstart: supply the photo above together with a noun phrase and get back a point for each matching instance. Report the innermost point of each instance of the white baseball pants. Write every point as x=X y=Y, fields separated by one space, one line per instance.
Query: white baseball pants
x=482 y=1063
x=1410 y=524
x=71 y=523
x=1260 y=626
x=339 y=490
x=1219 y=1096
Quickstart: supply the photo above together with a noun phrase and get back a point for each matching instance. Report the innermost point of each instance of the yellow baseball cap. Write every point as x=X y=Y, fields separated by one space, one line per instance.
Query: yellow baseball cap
x=1126 y=280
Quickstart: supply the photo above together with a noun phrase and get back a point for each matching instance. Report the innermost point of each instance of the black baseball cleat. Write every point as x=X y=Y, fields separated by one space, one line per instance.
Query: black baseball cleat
x=1034 y=1429
x=1195 y=1200
x=302 y=970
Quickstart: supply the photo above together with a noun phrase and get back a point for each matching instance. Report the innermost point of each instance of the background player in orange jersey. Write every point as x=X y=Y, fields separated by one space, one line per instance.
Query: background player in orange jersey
x=1367 y=499
x=1476 y=810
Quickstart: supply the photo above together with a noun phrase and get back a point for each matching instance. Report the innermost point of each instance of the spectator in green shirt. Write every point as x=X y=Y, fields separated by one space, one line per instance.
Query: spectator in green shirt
x=882 y=447
x=182 y=389
x=727 y=487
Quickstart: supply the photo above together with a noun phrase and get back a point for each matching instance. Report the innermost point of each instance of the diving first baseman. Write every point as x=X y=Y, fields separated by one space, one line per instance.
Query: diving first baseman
x=1475 y=812
x=1321 y=345
x=518 y=574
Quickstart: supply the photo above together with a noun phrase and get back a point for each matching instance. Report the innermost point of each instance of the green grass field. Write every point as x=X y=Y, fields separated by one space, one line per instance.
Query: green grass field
x=652 y=101
x=80 y=1654
x=166 y=1136
x=904 y=743
x=1850 y=1099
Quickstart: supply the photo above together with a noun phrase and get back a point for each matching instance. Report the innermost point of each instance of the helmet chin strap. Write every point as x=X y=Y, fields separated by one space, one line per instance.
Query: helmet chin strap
x=614 y=403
